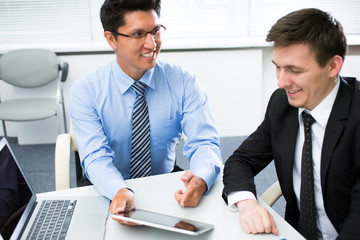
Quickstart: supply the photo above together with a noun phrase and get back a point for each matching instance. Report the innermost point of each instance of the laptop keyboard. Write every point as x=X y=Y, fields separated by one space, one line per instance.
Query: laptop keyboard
x=52 y=220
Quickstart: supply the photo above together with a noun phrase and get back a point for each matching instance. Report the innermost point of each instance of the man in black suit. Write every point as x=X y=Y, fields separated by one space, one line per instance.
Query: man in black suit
x=309 y=50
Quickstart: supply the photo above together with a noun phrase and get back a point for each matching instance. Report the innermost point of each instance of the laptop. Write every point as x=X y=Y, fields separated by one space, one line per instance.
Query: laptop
x=72 y=217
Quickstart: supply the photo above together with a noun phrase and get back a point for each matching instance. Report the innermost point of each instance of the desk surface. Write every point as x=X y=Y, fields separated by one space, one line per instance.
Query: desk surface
x=156 y=193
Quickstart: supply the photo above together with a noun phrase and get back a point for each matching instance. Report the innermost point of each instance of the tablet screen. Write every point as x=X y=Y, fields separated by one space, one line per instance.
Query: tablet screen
x=163 y=221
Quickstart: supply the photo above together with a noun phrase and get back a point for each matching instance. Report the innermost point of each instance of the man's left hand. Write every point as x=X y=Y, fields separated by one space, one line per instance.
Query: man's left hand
x=195 y=188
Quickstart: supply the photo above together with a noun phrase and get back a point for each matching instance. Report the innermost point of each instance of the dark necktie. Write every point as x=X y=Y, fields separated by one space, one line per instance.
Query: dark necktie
x=307 y=221
x=140 y=162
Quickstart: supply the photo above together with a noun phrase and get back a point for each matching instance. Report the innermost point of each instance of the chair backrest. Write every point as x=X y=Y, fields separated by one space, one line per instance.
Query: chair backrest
x=29 y=68
x=272 y=194
x=73 y=142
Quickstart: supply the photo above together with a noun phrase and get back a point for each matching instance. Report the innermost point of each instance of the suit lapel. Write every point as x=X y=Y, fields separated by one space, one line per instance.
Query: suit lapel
x=291 y=129
x=335 y=127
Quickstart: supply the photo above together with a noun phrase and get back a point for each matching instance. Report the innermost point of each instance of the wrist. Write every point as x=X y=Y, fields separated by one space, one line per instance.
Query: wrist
x=244 y=204
x=203 y=185
x=125 y=191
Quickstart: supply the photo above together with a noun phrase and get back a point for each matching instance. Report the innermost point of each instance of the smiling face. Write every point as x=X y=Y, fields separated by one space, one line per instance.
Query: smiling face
x=305 y=82
x=135 y=56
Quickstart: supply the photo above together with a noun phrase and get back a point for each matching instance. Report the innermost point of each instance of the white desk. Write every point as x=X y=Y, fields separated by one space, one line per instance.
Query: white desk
x=156 y=193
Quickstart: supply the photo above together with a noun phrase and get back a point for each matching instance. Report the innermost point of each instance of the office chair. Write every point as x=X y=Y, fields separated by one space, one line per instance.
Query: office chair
x=272 y=194
x=65 y=144
x=30 y=69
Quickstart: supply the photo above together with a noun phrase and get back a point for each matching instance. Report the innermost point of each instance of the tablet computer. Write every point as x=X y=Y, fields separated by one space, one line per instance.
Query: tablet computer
x=165 y=222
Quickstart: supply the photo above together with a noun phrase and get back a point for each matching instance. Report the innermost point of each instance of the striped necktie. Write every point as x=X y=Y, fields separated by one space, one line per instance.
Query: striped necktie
x=140 y=162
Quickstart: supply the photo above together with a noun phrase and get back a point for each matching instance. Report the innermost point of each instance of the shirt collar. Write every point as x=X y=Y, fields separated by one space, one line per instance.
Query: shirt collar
x=322 y=111
x=124 y=81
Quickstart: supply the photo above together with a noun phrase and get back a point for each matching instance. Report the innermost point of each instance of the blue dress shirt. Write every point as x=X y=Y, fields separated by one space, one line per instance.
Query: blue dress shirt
x=101 y=107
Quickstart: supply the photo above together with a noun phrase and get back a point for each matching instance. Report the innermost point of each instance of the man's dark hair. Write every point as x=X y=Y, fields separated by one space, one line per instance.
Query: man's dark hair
x=321 y=31
x=112 y=11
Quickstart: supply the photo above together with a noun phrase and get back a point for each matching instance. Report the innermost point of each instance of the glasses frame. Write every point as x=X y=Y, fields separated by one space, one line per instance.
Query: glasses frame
x=143 y=35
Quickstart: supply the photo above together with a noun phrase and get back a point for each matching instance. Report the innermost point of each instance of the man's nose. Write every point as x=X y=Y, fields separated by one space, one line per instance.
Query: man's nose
x=150 y=41
x=283 y=78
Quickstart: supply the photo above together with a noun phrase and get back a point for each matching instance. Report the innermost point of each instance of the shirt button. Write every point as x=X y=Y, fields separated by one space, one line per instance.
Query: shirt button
x=317 y=189
x=322 y=214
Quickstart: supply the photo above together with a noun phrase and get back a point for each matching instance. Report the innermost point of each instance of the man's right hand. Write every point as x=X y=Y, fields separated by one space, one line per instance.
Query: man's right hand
x=124 y=200
x=255 y=218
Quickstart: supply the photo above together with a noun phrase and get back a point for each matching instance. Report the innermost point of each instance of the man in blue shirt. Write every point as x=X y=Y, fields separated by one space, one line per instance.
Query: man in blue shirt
x=101 y=106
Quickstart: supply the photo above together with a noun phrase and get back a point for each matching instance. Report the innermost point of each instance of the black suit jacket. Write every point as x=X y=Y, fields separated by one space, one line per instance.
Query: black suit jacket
x=275 y=139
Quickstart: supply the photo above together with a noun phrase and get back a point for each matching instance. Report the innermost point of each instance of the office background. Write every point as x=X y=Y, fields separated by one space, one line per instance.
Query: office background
x=239 y=83
x=222 y=42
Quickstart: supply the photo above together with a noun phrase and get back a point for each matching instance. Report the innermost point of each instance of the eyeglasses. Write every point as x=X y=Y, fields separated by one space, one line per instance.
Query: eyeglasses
x=141 y=35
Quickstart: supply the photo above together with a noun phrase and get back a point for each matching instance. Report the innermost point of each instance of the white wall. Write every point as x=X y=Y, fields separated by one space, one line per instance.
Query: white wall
x=239 y=83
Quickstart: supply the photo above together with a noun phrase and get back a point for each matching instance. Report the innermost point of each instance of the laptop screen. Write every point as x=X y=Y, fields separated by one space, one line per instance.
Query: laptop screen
x=14 y=191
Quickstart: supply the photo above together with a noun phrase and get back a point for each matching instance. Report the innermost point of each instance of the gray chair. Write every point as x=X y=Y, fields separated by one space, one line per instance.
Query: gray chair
x=272 y=194
x=31 y=69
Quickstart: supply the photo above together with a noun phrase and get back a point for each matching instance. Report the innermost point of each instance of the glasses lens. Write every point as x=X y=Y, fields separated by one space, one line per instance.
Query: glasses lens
x=141 y=35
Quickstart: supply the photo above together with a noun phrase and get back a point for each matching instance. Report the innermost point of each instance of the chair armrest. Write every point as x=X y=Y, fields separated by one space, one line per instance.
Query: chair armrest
x=62 y=161
x=272 y=194
x=64 y=67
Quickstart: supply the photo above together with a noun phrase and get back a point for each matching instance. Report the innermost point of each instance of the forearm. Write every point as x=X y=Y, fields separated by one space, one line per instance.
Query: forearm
x=206 y=163
x=106 y=178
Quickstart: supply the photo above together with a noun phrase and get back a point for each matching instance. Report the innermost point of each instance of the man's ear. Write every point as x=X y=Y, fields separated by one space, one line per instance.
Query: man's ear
x=110 y=39
x=335 y=64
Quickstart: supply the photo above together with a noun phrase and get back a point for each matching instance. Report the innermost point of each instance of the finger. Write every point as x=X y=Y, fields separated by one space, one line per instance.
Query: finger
x=117 y=206
x=259 y=226
x=112 y=207
x=188 y=175
x=193 y=193
x=252 y=227
x=178 y=196
x=184 y=199
x=126 y=222
x=266 y=221
x=245 y=226
x=123 y=200
x=274 y=229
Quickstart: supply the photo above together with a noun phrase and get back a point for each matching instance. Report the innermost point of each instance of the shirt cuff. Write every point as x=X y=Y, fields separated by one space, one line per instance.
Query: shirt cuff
x=208 y=177
x=235 y=197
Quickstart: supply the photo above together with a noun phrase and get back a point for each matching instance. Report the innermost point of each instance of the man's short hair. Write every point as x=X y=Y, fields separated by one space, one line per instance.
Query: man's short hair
x=321 y=31
x=112 y=11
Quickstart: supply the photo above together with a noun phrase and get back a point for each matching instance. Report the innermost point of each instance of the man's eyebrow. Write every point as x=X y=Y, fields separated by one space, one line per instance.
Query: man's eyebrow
x=287 y=66
x=138 y=29
x=274 y=63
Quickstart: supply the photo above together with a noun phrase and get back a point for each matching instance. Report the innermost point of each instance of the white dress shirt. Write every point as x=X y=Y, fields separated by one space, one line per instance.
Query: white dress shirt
x=321 y=114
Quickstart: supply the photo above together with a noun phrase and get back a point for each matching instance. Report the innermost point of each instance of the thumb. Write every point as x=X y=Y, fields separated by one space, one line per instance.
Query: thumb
x=187 y=177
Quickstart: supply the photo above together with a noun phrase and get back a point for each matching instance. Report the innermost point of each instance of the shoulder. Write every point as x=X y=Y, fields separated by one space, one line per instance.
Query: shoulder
x=278 y=106
x=173 y=71
x=279 y=98
x=94 y=77
x=351 y=82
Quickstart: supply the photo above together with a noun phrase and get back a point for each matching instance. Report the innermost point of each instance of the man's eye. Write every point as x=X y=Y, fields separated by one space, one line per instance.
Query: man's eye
x=138 y=35
x=155 y=31
x=294 y=71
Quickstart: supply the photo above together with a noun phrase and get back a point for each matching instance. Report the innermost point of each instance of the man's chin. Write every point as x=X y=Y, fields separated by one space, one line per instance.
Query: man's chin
x=295 y=104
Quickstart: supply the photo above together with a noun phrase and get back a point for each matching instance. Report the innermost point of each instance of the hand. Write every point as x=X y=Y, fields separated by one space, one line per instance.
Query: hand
x=195 y=188
x=255 y=218
x=124 y=200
